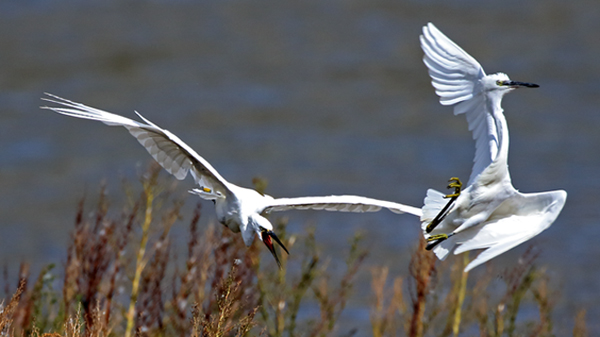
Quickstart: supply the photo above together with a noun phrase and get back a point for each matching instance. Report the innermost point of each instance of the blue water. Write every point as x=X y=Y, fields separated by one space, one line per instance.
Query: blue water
x=319 y=97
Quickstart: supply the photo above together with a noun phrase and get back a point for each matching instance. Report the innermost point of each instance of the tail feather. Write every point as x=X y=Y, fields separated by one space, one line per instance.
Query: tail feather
x=433 y=204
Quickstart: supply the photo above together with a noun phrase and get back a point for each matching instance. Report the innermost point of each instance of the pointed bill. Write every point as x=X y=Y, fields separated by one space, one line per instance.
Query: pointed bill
x=266 y=239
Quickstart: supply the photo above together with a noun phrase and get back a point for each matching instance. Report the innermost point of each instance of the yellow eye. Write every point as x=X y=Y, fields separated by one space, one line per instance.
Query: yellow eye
x=499 y=83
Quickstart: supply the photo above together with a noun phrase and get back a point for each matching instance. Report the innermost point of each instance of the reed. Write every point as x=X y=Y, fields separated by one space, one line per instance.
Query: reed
x=150 y=186
x=125 y=273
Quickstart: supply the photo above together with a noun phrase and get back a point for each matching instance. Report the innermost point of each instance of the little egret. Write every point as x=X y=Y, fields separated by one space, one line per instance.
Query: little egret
x=489 y=213
x=240 y=209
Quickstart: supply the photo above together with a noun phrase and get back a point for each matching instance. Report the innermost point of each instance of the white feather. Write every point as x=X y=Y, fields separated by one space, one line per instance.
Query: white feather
x=238 y=208
x=489 y=213
x=341 y=203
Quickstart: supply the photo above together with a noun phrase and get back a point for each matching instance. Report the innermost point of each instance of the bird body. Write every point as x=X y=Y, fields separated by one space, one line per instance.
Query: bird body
x=489 y=213
x=240 y=209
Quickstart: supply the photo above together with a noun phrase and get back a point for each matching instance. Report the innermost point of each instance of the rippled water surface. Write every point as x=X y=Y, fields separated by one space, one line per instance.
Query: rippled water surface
x=319 y=97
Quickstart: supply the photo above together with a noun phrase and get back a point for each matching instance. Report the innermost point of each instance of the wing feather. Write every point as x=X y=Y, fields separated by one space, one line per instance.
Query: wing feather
x=491 y=237
x=456 y=76
x=341 y=203
x=537 y=212
x=168 y=150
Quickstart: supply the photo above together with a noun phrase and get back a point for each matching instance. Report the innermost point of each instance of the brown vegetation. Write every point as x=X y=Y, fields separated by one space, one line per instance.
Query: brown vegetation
x=123 y=276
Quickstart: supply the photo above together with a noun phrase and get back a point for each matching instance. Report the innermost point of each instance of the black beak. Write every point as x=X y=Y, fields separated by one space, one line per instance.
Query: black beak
x=516 y=84
x=266 y=238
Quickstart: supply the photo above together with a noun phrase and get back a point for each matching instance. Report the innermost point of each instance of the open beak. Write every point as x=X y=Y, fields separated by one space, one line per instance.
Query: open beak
x=516 y=84
x=266 y=239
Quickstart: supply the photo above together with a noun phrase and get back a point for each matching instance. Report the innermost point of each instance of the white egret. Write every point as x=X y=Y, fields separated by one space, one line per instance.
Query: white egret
x=240 y=209
x=489 y=213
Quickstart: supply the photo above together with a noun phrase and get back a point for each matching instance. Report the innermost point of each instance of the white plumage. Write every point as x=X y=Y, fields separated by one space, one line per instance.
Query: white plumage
x=241 y=209
x=489 y=213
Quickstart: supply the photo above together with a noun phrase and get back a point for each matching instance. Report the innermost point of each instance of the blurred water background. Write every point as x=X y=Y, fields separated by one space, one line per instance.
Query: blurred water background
x=318 y=97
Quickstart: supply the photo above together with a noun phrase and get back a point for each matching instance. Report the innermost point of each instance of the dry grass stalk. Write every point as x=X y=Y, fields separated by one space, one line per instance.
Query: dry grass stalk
x=422 y=270
x=90 y=257
x=21 y=315
x=462 y=289
x=191 y=281
x=389 y=306
x=307 y=276
x=545 y=300
x=119 y=245
x=150 y=301
x=519 y=281
x=149 y=189
x=580 y=328
x=332 y=306
x=216 y=262
x=224 y=320
x=6 y=318
x=74 y=325
x=480 y=297
x=378 y=319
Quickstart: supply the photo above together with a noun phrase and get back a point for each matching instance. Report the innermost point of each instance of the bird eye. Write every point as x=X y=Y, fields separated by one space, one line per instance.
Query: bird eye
x=499 y=83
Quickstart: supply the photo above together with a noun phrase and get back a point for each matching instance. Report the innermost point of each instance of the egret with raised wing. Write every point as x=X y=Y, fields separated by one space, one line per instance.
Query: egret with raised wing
x=240 y=209
x=489 y=213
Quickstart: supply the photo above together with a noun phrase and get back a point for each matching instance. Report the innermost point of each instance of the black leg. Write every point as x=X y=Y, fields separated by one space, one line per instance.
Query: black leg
x=457 y=185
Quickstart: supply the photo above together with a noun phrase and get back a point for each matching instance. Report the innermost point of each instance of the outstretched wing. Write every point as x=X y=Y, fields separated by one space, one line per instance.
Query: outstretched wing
x=167 y=149
x=456 y=75
x=341 y=203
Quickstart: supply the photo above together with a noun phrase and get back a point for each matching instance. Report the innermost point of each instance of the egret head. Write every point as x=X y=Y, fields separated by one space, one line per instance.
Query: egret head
x=264 y=230
x=500 y=82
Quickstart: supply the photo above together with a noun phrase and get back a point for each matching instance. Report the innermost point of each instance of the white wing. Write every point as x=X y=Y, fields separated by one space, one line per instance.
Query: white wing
x=167 y=149
x=341 y=203
x=456 y=77
x=538 y=212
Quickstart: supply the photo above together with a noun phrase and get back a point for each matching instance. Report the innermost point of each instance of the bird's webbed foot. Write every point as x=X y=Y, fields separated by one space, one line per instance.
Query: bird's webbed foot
x=435 y=240
x=457 y=185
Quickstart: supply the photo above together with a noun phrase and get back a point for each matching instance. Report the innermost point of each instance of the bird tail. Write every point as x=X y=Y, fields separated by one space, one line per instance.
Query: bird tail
x=433 y=204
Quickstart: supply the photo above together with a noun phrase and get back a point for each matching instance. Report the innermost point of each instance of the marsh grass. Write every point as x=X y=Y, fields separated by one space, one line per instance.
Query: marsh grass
x=125 y=273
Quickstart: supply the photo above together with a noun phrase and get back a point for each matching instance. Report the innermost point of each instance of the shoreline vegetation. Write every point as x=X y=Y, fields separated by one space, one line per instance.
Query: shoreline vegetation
x=123 y=276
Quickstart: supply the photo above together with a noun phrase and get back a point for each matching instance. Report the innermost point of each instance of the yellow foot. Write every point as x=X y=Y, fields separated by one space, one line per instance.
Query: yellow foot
x=457 y=185
x=437 y=237
x=435 y=240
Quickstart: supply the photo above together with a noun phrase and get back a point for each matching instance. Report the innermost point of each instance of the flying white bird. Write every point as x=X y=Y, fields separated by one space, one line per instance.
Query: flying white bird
x=240 y=209
x=489 y=213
